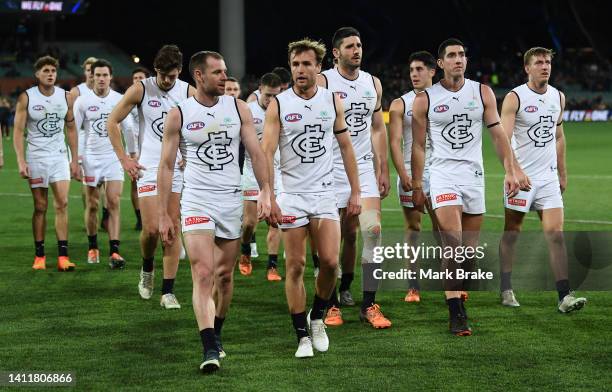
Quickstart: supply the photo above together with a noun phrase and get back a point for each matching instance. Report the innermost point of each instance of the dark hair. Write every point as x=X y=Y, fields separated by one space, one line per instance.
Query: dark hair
x=198 y=60
x=99 y=63
x=46 y=60
x=271 y=80
x=446 y=43
x=283 y=74
x=141 y=69
x=425 y=57
x=232 y=79
x=169 y=57
x=342 y=33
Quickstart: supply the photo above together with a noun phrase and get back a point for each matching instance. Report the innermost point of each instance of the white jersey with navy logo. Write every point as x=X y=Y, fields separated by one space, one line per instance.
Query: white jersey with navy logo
x=45 y=124
x=408 y=100
x=455 y=128
x=83 y=89
x=259 y=116
x=90 y=113
x=358 y=98
x=534 y=134
x=305 y=143
x=210 y=138
x=152 y=111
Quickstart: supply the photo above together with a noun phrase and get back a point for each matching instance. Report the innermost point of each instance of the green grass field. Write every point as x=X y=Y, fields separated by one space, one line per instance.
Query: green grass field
x=93 y=322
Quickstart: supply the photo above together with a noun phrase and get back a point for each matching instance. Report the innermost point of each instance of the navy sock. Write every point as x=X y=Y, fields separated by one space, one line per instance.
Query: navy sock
x=333 y=300
x=62 y=248
x=93 y=241
x=346 y=280
x=318 y=308
x=245 y=249
x=299 y=324
x=563 y=288
x=369 y=298
x=105 y=213
x=454 y=307
x=218 y=325
x=39 y=248
x=147 y=264
x=114 y=246
x=315 y=261
x=506 y=281
x=207 y=335
x=272 y=260
x=167 y=286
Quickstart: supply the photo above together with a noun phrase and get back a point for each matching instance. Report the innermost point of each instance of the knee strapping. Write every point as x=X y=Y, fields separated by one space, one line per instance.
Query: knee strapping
x=369 y=223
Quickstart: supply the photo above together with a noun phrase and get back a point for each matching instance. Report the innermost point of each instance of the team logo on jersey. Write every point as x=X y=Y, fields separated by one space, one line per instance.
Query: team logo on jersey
x=307 y=145
x=355 y=118
x=457 y=131
x=154 y=103
x=195 y=126
x=341 y=94
x=93 y=108
x=531 y=109
x=257 y=120
x=293 y=117
x=158 y=126
x=99 y=126
x=48 y=126
x=540 y=132
x=441 y=108
x=38 y=107
x=214 y=151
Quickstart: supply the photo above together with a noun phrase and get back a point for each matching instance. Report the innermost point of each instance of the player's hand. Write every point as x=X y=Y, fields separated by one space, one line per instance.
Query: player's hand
x=354 y=204
x=383 y=184
x=511 y=185
x=276 y=216
x=75 y=170
x=132 y=167
x=406 y=183
x=563 y=183
x=167 y=230
x=263 y=205
x=24 y=170
x=524 y=181
x=418 y=199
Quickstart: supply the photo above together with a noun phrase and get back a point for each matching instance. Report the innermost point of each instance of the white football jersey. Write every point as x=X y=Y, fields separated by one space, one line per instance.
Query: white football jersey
x=455 y=128
x=408 y=100
x=45 y=124
x=83 y=89
x=152 y=111
x=90 y=113
x=210 y=138
x=259 y=116
x=534 y=134
x=358 y=98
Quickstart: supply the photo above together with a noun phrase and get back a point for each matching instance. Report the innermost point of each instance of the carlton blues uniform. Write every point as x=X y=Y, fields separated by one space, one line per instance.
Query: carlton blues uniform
x=406 y=197
x=250 y=187
x=535 y=148
x=46 y=150
x=100 y=164
x=210 y=138
x=83 y=90
x=455 y=129
x=359 y=100
x=152 y=111
x=306 y=157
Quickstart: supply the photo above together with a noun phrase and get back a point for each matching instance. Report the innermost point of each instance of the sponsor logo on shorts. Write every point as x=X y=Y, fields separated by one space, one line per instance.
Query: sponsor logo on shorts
x=257 y=120
x=288 y=219
x=531 y=109
x=196 y=220
x=341 y=94
x=441 y=108
x=517 y=202
x=90 y=178
x=93 y=108
x=406 y=198
x=146 y=188
x=293 y=117
x=38 y=107
x=194 y=126
x=35 y=181
x=154 y=103
x=446 y=197
x=251 y=193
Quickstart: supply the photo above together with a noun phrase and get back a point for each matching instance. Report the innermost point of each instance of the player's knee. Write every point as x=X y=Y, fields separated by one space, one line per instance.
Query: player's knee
x=40 y=206
x=150 y=232
x=295 y=267
x=413 y=226
x=112 y=203
x=328 y=262
x=223 y=278
x=202 y=273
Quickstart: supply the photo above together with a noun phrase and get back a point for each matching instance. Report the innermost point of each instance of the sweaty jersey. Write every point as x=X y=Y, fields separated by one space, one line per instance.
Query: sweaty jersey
x=534 y=134
x=455 y=128
x=210 y=138
x=359 y=101
x=45 y=124
x=306 y=140
x=152 y=111
x=408 y=100
x=90 y=113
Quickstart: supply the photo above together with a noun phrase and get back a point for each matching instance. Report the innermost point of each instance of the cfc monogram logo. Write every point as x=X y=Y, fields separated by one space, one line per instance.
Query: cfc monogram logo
x=158 y=126
x=99 y=126
x=457 y=131
x=540 y=132
x=307 y=144
x=214 y=151
x=48 y=125
x=354 y=118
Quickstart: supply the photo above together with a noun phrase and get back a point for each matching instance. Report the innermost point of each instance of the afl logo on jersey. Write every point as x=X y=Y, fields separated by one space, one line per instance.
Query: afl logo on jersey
x=441 y=108
x=531 y=109
x=341 y=94
x=38 y=107
x=195 y=126
x=257 y=120
x=293 y=117
x=93 y=109
x=154 y=103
